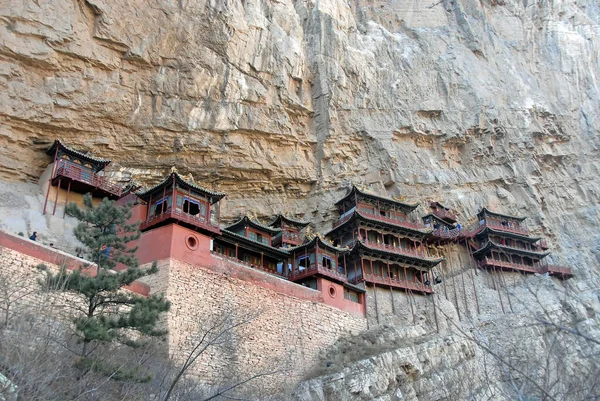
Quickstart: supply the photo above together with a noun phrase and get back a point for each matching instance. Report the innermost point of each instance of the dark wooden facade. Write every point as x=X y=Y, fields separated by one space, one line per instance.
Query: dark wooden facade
x=79 y=172
x=291 y=231
x=387 y=246
x=503 y=242
x=176 y=200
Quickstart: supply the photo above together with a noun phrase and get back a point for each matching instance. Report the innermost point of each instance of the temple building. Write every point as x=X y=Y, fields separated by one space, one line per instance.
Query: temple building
x=291 y=231
x=250 y=242
x=73 y=173
x=175 y=200
x=386 y=244
x=443 y=223
x=320 y=265
x=502 y=242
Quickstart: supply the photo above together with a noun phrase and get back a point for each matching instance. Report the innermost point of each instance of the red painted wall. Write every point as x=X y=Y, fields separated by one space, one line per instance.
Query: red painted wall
x=333 y=294
x=56 y=257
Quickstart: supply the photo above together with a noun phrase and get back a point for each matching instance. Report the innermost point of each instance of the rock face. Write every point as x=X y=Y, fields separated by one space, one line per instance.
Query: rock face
x=282 y=104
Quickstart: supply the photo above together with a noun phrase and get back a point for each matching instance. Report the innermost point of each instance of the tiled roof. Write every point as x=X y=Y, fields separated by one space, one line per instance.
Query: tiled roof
x=321 y=243
x=290 y=221
x=487 y=211
x=508 y=249
x=58 y=143
x=215 y=196
x=226 y=232
x=369 y=194
x=245 y=220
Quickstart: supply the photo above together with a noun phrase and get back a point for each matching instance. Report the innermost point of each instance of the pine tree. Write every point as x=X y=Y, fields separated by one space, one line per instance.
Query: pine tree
x=107 y=313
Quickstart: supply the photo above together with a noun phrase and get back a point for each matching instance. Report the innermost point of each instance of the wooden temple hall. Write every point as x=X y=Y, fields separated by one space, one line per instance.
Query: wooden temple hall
x=79 y=173
x=375 y=242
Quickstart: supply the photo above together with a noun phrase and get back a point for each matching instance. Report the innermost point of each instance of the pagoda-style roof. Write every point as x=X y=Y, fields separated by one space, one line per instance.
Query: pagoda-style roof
x=439 y=205
x=268 y=250
x=490 y=245
x=212 y=196
x=498 y=215
x=409 y=260
x=281 y=218
x=411 y=229
x=442 y=221
x=355 y=191
x=247 y=221
x=97 y=162
x=487 y=229
x=322 y=244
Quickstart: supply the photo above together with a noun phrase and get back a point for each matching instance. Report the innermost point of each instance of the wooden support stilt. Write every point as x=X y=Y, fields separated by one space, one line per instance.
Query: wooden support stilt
x=56 y=198
x=437 y=325
x=472 y=262
x=67 y=199
x=376 y=306
x=498 y=290
x=455 y=294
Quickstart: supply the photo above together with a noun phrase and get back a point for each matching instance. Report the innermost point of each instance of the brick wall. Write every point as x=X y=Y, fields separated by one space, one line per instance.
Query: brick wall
x=289 y=328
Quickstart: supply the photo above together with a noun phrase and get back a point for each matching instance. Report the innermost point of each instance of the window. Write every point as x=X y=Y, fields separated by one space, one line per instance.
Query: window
x=382 y=212
x=350 y=295
x=259 y=238
x=327 y=262
x=303 y=262
x=191 y=206
x=160 y=205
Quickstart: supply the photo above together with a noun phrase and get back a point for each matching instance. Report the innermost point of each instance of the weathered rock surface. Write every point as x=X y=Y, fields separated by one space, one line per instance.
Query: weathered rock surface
x=284 y=103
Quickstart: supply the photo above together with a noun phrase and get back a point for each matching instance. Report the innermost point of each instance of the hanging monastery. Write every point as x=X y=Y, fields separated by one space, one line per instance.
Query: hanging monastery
x=381 y=260
x=376 y=241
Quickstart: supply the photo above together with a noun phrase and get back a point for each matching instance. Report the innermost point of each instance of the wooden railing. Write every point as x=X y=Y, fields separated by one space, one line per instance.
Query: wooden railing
x=318 y=268
x=394 y=220
x=513 y=229
x=292 y=238
x=83 y=174
x=385 y=219
x=342 y=220
x=510 y=265
x=441 y=233
x=398 y=250
x=393 y=282
x=198 y=221
x=558 y=270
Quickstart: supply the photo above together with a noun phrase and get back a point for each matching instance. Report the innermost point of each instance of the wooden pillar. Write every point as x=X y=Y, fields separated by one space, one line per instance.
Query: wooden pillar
x=148 y=208
x=236 y=251
x=371 y=264
x=162 y=206
x=67 y=199
x=56 y=198
x=362 y=266
x=345 y=267
x=262 y=259
x=54 y=168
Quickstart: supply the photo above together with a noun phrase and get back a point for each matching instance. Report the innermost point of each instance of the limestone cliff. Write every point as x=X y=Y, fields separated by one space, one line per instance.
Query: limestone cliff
x=282 y=104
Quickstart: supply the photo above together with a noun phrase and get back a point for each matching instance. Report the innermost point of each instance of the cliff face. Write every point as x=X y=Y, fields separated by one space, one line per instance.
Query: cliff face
x=284 y=103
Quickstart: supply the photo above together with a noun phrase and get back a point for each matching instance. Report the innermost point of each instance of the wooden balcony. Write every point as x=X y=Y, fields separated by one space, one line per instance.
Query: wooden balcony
x=393 y=282
x=395 y=221
x=499 y=226
x=444 y=214
x=289 y=238
x=318 y=269
x=86 y=177
x=413 y=253
x=178 y=216
x=385 y=219
x=447 y=234
x=559 y=271
x=503 y=265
